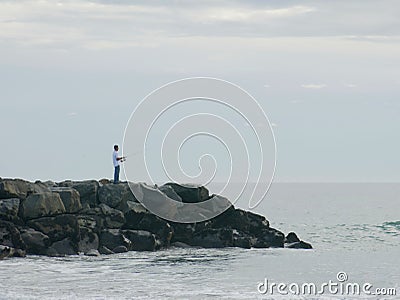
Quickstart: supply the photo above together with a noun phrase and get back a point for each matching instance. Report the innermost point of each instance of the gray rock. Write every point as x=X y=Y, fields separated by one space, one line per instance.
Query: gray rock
x=70 y=198
x=10 y=235
x=36 y=242
x=62 y=248
x=87 y=190
x=141 y=240
x=120 y=249
x=9 y=209
x=113 y=218
x=104 y=250
x=18 y=188
x=270 y=238
x=181 y=245
x=189 y=193
x=116 y=195
x=298 y=245
x=92 y=252
x=112 y=238
x=292 y=238
x=58 y=227
x=41 y=205
x=88 y=241
x=170 y=192
x=11 y=252
x=213 y=238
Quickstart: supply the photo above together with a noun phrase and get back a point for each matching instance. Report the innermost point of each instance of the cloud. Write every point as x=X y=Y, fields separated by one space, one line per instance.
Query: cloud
x=313 y=86
x=72 y=114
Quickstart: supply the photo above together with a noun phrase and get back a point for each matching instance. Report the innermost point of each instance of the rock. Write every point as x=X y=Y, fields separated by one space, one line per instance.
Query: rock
x=92 y=252
x=181 y=245
x=298 y=245
x=70 y=198
x=128 y=205
x=36 y=242
x=270 y=238
x=87 y=190
x=120 y=249
x=115 y=195
x=58 y=227
x=11 y=252
x=88 y=240
x=170 y=192
x=62 y=248
x=104 y=250
x=41 y=205
x=242 y=240
x=291 y=238
x=112 y=238
x=105 y=181
x=113 y=218
x=141 y=240
x=183 y=232
x=10 y=236
x=214 y=238
x=189 y=193
x=18 y=188
x=9 y=210
x=88 y=222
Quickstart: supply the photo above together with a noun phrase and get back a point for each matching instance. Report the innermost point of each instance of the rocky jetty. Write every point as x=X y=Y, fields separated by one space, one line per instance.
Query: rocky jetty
x=97 y=217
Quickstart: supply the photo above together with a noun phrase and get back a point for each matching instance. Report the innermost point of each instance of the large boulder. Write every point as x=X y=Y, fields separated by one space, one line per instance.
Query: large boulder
x=18 y=188
x=58 y=227
x=36 y=242
x=9 y=209
x=189 y=193
x=116 y=195
x=87 y=190
x=62 y=248
x=141 y=240
x=213 y=238
x=269 y=238
x=41 y=205
x=10 y=236
x=113 y=218
x=170 y=192
x=11 y=252
x=88 y=241
x=292 y=241
x=112 y=238
x=70 y=198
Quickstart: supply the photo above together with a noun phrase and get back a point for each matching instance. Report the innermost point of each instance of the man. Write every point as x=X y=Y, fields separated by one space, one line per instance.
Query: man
x=116 y=161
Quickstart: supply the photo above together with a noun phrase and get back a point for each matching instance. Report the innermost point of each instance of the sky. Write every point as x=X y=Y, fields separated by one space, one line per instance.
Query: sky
x=326 y=73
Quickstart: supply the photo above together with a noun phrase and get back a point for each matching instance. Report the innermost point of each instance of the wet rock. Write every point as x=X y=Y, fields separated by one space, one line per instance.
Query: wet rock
x=62 y=248
x=36 y=242
x=88 y=240
x=120 y=249
x=298 y=245
x=115 y=195
x=92 y=252
x=181 y=245
x=9 y=210
x=41 y=205
x=213 y=238
x=183 y=232
x=18 y=188
x=11 y=252
x=112 y=238
x=58 y=227
x=10 y=235
x=104 y=250
x=270 y=238
x=70 y=198
x=87 y=190
x=292 y=238
x=189 y=193
x=141 y=240
x=242 y=240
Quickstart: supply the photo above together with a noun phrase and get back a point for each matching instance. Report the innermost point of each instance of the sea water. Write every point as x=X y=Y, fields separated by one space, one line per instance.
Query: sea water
x=353 y=227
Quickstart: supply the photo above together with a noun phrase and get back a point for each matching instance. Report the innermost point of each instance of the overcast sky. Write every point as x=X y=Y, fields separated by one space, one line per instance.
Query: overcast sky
x=327 y=73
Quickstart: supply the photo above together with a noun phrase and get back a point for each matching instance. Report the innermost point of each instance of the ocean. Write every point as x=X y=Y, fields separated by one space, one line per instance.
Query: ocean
x=353 y=227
